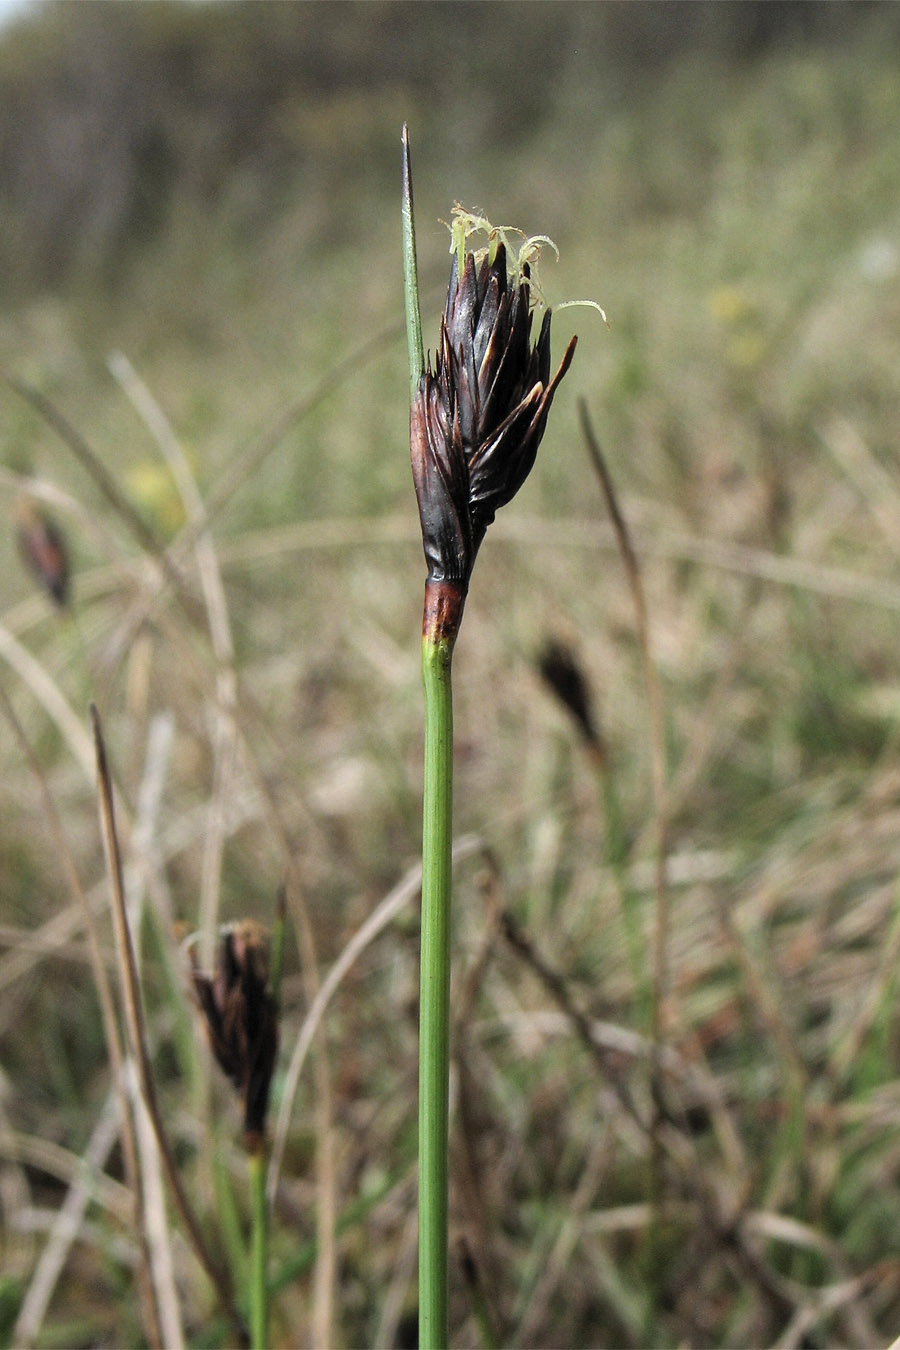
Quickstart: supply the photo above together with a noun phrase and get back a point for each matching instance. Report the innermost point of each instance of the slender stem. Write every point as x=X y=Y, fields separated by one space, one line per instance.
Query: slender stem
x=229 y=1219
x=660 y=989
x=259 y=1250
x=434 y=1005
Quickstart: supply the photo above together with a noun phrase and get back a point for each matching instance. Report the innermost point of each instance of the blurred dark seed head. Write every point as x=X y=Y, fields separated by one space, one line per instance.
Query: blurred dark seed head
x=43 y=549
x=477 y=419
x=466 y=1262
x=562 y=674
x=242 y=1019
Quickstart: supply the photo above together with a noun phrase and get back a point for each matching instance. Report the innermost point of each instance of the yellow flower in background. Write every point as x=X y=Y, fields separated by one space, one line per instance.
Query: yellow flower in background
x=731 y=305
x=747 y=344
x=153 y=490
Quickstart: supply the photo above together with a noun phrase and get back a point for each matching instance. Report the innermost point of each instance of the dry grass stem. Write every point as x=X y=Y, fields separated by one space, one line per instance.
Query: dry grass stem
x=381 y=917
x=656 y=540
x=45 y=689
x=69 y=1169
x=656 y=731
x=144 y=869
x=876 y=486
x=99 y=474
x=131 y=998
x=83 y=911
x=556 y=1257
x=225 y=735
x=661 y=540
x=156 y=1224
x=675 y=1151
x=243 y=466
x=83 y=1187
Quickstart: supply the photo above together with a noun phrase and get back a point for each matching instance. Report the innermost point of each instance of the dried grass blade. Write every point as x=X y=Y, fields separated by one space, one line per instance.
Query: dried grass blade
x=97 y=471
x=159 y=1237
x=875 y=485
x=67 y=1225
x=657 y=728
x=385 y=912
x=658 y=1007
x=51 y=698
x=131 y=997
x=244 y=466
x=108 y=1014
x=225 y=738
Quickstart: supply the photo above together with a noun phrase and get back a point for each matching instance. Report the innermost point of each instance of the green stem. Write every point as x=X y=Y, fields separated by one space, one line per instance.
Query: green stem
x=228 y=1219
x=434 y=1005
x=259 y=1250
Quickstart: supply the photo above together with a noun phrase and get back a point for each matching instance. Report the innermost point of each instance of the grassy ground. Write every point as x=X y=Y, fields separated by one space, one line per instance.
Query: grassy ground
x=739 y=222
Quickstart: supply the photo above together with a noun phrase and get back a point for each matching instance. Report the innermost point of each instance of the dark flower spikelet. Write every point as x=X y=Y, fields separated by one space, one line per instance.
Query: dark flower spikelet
x=241 y=1019
x=562 y=673
x=478 y=417
x=42 y=548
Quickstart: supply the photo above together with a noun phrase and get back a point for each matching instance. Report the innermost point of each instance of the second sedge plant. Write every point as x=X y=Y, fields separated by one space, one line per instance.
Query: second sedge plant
x=476 y=420
x=239 y=1002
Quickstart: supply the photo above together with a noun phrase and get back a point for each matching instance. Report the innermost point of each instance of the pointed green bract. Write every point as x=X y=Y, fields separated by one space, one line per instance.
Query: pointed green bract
x=411 y=277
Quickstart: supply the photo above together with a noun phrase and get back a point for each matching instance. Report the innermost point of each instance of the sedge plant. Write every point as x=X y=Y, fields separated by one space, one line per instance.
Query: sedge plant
x=239 y=1002
x=476 y=420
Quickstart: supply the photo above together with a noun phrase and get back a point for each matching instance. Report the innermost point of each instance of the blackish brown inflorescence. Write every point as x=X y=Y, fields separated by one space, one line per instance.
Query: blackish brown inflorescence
x=477 y=418
x=562 y=673
x=43 y=549
x=242 y=1020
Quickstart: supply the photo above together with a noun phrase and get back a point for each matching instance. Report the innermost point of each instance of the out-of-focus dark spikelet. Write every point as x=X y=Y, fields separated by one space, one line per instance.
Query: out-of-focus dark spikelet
x=477 y=418
x=241 y=1020
x=562 y=673
x=43 y=549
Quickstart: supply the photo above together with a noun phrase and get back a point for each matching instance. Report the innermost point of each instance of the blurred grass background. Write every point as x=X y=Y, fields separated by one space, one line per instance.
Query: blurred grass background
x=211 y=191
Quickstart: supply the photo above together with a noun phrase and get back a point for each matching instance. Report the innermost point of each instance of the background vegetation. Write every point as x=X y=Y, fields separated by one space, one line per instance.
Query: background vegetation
x=212 y=194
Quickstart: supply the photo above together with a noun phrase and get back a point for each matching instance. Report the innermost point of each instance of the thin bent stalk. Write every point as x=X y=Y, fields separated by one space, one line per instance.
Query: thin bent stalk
x=657 y=735
x=131 y=998
x=149 y=1309
x=434 y=1004
x=660 y=991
